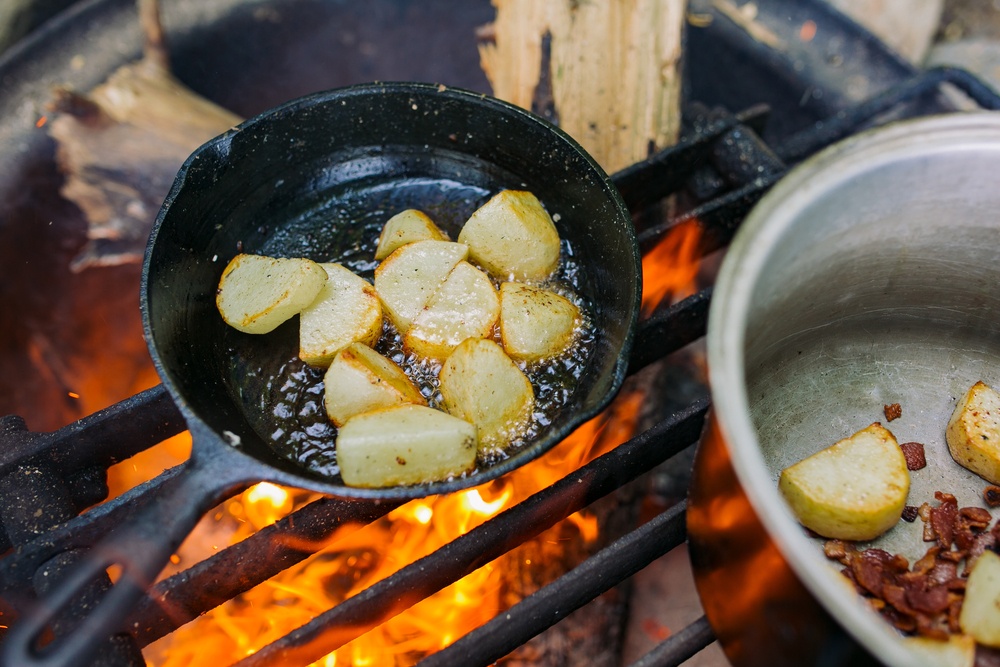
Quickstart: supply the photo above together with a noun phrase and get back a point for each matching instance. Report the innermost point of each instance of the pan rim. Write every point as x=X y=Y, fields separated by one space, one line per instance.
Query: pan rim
x=535 y=449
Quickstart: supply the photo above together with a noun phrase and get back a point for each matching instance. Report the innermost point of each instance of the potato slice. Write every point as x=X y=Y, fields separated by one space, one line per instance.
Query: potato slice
x=480 y=384
x=535 y=323
x=408 y=278
x=956 y=651
x=854 y=489
x=465 y=306
x=513 y=237
x=256 y=293
x=980 y=617
x=406 y=227
x=973 y=432
x=345 y=311
x=404 y=444
x=361 y=380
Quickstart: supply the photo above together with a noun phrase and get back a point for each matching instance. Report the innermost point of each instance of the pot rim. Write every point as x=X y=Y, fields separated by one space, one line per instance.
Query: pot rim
x=765 y=226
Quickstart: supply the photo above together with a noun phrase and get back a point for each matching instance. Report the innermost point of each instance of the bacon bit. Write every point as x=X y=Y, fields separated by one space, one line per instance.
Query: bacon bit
x=913 y=452
x=893 y=411
x=909 y=514
x=835 y=550
x=991 y=495
x=926 y=599
x=943 y=518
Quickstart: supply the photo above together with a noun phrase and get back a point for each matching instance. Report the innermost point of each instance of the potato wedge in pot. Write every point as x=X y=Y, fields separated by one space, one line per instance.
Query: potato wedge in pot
x=535 y=323
x=410 y=276
x=513 y=237
x=481 y=384
x=406 y=227
x=465 y=306
x=973 y=433
x=256 y=294
x=361 y=380
x=405 y=444
x=346 y=310
x=854 y=489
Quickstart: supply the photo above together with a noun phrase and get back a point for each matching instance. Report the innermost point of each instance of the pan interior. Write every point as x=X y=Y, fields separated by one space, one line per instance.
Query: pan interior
x=318 y=178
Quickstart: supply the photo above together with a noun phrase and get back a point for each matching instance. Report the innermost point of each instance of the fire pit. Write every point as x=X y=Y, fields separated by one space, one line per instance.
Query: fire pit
x=66 y=346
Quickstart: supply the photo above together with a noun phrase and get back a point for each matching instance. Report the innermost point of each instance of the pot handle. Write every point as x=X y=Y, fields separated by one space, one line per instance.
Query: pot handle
x=140 y=548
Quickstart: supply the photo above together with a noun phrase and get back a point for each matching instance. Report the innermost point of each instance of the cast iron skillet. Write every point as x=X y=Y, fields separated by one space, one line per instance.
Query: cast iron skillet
x=317 y=177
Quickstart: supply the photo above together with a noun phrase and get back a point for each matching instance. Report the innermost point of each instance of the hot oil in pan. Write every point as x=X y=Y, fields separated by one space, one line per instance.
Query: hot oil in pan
x=285 y=395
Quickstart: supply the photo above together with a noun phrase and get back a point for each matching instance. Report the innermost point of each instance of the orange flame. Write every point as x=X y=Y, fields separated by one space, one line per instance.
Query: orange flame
x=359 y=556
x=671 y=268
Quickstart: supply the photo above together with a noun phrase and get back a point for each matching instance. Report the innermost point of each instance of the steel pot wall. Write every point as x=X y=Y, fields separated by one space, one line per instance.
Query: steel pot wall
x=870 y=275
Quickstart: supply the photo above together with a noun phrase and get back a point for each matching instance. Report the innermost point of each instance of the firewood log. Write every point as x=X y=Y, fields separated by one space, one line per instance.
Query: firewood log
x=120 y=145
x=609 y=68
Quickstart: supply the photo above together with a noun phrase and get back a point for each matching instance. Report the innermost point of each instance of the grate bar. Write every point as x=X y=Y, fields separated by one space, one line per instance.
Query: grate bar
x=183 y=597
x=680 y=647
x=550 y=604
x=669 y=329
x=847 y=122
x=512 y=527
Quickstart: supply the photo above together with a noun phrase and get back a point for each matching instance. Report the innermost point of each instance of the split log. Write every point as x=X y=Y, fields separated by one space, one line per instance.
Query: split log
x=610 y=69
x=120 y=146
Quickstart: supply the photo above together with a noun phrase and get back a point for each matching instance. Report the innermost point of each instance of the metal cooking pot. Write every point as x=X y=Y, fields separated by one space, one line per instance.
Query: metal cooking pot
x=317 y=178
x=870 y=275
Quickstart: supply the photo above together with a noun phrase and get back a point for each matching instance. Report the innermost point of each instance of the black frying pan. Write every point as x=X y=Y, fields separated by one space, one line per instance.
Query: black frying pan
x=317 y=177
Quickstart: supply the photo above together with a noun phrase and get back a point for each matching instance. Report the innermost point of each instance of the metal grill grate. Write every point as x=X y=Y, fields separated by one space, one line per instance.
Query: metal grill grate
x=721 y=168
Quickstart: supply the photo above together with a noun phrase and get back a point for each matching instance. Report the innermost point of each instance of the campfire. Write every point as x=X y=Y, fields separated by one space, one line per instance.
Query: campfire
x=357 y=592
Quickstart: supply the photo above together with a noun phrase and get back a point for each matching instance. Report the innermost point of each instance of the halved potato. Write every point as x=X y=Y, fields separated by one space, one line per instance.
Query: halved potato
x=465 y=306
x=361 y=380
x=980 y=617
x=256 y=293
x=406 y=227
x=480 y=384
x=956 y=651
x=404 y=444
x=408 y=277
x=973 y=432
x=345 y=311
x=513 y=237
x=535 y=323
x=854 y=489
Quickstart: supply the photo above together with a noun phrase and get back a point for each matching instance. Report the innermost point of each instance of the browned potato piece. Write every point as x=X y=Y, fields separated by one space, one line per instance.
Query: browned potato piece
x=465 y=306
x=535 y=323
x=980 y=615
x=513 y=237
x=410 y=276
x=973 y=432
x=345 y=311
x=361 y=380
x=256 y=293
x=406 y=227
x=480 y=384
x=854 y=489
x=404 y=444
x=956 y=651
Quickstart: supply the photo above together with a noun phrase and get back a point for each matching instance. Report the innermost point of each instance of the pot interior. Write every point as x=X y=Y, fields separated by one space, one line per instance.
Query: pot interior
x=869 y=276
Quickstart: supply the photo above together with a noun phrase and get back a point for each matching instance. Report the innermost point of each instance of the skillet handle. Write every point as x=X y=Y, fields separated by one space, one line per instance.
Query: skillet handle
x=140 y=548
